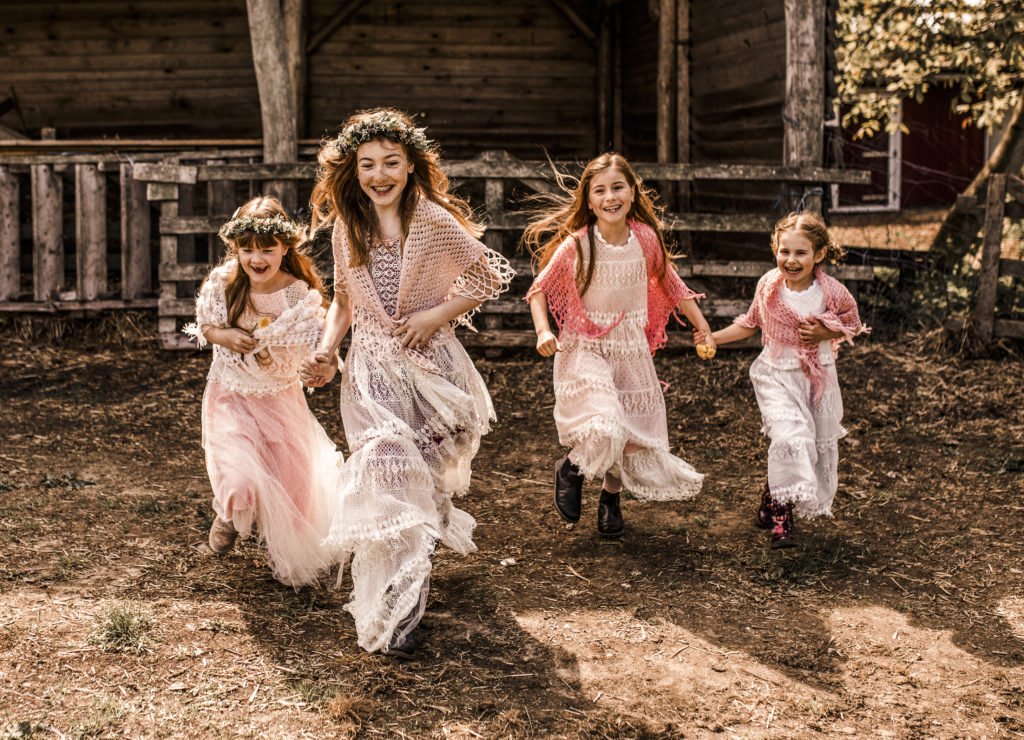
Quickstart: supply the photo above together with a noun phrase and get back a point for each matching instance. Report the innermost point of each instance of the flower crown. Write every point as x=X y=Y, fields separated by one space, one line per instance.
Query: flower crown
x=388 y=125
x=277 y=225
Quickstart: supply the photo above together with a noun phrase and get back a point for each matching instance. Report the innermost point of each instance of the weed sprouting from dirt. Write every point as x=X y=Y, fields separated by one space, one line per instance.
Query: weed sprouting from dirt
x=69 y=481
x=124 y=628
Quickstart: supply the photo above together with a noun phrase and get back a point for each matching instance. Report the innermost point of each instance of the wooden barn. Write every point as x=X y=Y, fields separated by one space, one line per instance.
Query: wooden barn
x=130 y=130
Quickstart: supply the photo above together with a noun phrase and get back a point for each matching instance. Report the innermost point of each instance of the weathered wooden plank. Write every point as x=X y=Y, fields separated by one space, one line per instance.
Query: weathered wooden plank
x=257 y=171
x=988 y=275
x=10 y=242
x=90 y=231
x=47 y=233
x=494 y=199
x=161 y=191
x=803 y=114
x=1012 y=268
x=163 y=172
x=168 y=255
x=666 y=80
x=1015 y=187
x=52 y=307
x=344 y=11
x=575 y=21
x=136 y=278
x=1008 y=328
x=186 y=271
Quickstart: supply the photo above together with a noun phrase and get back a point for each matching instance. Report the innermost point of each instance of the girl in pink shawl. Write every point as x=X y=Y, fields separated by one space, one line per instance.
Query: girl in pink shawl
x=407 y=266
x=803 y=314
x=606 y=277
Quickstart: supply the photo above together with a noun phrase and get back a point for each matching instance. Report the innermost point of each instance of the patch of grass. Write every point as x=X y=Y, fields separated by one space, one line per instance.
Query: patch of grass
x=150 y=507
x=5 y=486
x=100 y=721
x=68 y=564
x=315 y=693
x=69 y=481
x=16 y=731
x=124 y=628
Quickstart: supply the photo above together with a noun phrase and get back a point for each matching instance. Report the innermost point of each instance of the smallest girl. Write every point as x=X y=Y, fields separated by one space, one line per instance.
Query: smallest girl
x=269 y=460
x=803 y=314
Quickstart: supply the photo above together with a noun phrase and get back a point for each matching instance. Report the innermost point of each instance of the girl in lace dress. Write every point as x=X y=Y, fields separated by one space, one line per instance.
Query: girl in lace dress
x=269 y=460
x=803 y=314
x=607 y=278
x=407 y=264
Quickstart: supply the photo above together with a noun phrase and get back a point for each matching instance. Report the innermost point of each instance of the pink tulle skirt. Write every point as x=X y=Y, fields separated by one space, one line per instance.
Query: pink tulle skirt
x=271 y=463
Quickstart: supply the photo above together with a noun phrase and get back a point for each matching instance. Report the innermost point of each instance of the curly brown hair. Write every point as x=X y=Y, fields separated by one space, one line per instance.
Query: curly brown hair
x=811 y=226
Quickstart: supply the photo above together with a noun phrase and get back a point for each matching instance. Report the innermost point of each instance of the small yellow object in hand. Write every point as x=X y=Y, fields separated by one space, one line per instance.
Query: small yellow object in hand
x=705 y=351
x=264 y=322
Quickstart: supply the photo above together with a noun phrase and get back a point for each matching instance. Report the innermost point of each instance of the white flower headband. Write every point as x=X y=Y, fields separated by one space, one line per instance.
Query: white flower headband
x=387 y=125
x=276 y=225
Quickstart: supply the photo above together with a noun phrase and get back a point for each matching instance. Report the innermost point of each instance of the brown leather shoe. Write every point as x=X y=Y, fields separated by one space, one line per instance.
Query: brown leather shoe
x=783 y=527
x=222 y=536
x=764 y=511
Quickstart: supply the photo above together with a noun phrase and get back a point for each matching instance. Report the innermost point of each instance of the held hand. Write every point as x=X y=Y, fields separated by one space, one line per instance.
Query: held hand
x=704 y=342
x=318 y=369
x=813 y=331
x=547 y=343
x=236 y=340
x=417 y=329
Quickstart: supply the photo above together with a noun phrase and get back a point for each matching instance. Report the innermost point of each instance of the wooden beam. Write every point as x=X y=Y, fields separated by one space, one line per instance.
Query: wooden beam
x=47 y=233
x=682 y=106
x=277 y=98
x=10 y=237
x=617 y=79
x=666 y=80
x=988 y=275
x=90 y=231
x=294 y=12
x=135 y=236
x=343 y=13
x=604 y=82
x=803 y=111
x=578 y=23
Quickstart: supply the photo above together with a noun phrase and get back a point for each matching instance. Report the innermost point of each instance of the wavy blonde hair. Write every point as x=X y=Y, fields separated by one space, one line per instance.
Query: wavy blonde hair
x=809 y=225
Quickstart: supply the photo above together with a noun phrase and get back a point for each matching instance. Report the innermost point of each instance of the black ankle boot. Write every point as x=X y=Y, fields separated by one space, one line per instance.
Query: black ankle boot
x=764 y=511
x=783 y=527
x=568 y=490
x=404 y=648
x=609 y=516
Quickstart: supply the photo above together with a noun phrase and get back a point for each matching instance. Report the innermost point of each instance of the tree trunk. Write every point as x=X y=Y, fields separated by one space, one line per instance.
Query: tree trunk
x=960 y=227
x=277 y=98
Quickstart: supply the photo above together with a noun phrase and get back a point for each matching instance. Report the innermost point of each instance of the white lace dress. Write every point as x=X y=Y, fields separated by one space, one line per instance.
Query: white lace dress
x=607 y=392
x=269 y=461
x=413 y=420
x=803 y=452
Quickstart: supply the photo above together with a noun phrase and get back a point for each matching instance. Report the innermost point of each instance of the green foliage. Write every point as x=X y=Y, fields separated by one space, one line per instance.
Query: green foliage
x=899 y=49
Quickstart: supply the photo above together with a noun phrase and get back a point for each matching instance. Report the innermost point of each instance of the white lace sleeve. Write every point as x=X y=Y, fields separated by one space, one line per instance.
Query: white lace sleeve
x=211 y=305
x=482 y=281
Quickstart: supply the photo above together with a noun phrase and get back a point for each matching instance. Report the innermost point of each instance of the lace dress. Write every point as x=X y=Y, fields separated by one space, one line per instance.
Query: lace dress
x=607 y=393
x=413 y=420
x=803 y=452
x=269 y=460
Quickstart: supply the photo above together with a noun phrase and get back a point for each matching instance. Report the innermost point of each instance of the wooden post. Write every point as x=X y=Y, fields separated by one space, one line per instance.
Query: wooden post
x=804 y=108
x=604 y=82
x=666 y=86
x=294 y=12
x=617 y=79
x=220 y=200
x=47 y=232
x=136 y=270
x=277 y=98
x=988 y=276
x=90 y=231
x=683 y=108
x=494 y=198
x=10 y=241
x=167 y=322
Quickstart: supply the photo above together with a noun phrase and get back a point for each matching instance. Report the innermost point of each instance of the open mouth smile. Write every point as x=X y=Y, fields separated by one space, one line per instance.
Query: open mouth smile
x=382 y=189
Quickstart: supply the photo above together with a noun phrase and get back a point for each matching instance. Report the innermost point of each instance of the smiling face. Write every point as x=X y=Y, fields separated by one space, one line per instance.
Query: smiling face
x=262 y=265
x=610 y=197
x=383 y=169
x=796 y=258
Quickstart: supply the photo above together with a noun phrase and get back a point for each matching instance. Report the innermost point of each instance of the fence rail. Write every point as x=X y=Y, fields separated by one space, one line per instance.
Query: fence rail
x=166 y=243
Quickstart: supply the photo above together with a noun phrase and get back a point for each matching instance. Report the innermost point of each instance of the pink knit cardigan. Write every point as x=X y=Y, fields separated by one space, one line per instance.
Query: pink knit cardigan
x=558 y=282
x=780 y=325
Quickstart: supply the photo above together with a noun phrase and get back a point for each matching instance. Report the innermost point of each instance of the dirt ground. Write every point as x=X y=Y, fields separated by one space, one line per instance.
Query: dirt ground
x=902 y=617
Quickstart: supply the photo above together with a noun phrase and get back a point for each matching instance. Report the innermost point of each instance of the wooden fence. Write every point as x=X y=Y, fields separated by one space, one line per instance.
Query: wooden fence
x=172 y=185
x=984 y=320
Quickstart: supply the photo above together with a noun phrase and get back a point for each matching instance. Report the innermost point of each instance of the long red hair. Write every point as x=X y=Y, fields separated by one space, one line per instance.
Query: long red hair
x=337 y=193
x=565 y=214
x=295 y=262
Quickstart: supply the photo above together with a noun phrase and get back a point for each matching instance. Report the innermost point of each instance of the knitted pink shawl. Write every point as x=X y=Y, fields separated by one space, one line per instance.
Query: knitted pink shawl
x=780 y=325
x=557 y=281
